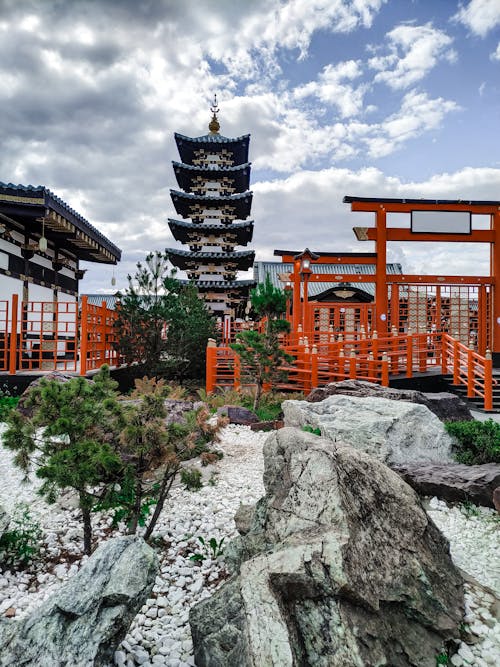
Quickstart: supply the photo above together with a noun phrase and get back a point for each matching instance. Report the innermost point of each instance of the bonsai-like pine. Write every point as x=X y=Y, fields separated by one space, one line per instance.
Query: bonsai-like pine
x=261 y=355
x=162 y=322
x=69 y=439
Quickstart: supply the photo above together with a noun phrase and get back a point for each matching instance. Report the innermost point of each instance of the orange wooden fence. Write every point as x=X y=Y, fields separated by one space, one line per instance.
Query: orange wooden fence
x=330 y=358
x=54 y=335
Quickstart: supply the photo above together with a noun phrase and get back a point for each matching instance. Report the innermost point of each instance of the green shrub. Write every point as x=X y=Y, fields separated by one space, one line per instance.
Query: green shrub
x=310 y=429
x=211 y=549
x=21 y=543
x=191 y=478
x=478 y=442
x=7 y=403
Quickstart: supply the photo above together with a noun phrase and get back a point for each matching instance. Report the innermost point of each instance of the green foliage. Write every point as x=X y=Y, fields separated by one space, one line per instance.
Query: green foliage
x=193 y=436
x=21 y=543
x=211 y=549
x=469 y=510
x=442 y=659
x=310 y=429
x=7 y=403
x=162 y=322
x=478 y=442
x=191 y=478
x=267 y=300
x=69 y=439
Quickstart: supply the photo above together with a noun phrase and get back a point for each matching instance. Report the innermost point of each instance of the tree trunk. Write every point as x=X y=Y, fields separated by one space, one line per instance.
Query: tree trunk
x=166 y=484
x=137 y=507
x=258 y=393
x=87 y=523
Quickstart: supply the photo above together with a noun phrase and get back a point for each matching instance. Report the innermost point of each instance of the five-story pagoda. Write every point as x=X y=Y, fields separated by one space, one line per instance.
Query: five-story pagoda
x=214 y=177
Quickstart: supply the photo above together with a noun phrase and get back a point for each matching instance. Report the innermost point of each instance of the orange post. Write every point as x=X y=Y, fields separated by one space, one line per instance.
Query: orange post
x=381 y=301
x=456 y=362
x=13 y=336
x=237 y=373
x=211 y=365
x=385 y=370
x=470 y=373
x=352 y=365
x=488 y=381
x=314 y=367
x=409 y=356
x=296 y=296
x=84 y=336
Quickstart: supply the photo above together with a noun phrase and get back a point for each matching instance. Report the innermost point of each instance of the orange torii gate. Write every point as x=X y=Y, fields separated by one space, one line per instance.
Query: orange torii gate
x=436 y=221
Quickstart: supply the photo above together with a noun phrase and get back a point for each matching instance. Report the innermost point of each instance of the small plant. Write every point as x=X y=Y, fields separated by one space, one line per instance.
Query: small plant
x=213 y=480
x=211 y=549
x=191 y=478
x=7 y=403
x=469 y=510
x=478 y=442
x=21 y=543
x=310 y=429
x=442 y=659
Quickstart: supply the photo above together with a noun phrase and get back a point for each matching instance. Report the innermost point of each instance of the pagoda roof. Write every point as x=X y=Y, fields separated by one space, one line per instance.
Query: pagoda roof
x=30 y=206
x=185 y=259
x=243 y=286
x=241 y=202
x=239 y=174
x=182 y=231
x=213 y=143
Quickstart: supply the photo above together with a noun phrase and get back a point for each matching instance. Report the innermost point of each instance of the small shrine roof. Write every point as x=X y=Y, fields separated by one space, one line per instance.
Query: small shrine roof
x=275 y=269
x=28 y=204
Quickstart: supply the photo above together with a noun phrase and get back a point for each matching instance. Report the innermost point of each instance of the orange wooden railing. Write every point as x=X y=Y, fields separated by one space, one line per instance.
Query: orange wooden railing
x=98 y=337
x=469 y=368
x=333 y=358
x=4 y=335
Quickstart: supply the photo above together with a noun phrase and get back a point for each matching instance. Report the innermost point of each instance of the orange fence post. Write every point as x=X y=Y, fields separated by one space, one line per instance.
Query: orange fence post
x=470 y=373
x=385 y=370
x=314 y=367
x=444 y=354
x=409 y=356
x=84 y=336
x=13 y=336
x=211 y=365
x=352 y=365
x=456 y=363
x=237 y=372
x=488 y=381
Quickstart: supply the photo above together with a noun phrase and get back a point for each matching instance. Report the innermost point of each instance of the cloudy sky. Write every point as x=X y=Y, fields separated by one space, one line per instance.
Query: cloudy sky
x=396 y=98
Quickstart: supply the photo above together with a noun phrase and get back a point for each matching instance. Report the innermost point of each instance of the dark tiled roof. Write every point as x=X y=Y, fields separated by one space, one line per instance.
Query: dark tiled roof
x=183 y=231
x=273 y=269
x=212 y=139
x=241 y=203
x=211 y=255
x=239 y=175
x=467 y=202
x=50 y=200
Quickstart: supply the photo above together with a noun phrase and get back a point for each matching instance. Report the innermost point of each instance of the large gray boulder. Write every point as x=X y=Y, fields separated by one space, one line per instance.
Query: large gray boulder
x=88 y=617
x=453 y=481
x=341 y=567
x=394 y=432
x=446 y=406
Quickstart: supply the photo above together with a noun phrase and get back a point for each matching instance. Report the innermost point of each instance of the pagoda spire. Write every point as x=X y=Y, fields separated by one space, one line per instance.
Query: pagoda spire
x=214 y=125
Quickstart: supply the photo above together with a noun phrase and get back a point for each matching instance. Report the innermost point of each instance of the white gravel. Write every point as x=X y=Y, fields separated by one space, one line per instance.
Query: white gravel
x=160 y=635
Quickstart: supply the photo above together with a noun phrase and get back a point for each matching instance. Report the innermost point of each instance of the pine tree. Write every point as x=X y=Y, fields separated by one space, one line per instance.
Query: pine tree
x=69 y=439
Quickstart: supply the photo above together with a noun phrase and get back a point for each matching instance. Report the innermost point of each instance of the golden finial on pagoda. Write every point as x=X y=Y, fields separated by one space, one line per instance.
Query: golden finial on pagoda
x=214 y=125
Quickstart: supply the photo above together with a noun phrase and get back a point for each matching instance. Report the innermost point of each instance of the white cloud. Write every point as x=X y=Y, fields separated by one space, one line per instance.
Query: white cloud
x=412 y=52
x=496 y=54
x=332 y=87
x=480 y=16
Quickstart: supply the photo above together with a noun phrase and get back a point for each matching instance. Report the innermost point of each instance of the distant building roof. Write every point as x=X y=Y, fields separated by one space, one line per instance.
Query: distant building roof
x=274 y=269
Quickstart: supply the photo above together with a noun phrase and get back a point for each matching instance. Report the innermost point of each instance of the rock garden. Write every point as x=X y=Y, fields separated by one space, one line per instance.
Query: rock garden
x=150 y=530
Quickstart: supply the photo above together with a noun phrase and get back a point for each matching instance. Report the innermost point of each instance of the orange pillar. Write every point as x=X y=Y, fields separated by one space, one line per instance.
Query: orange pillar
x=488 y=382
x=395 y=306
x=305 y=306
x=211 y=365
x=84 y=336
x=495 y=273
x=482 y=318
x=13 y=336
x=381 y=270
x=296 y=296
